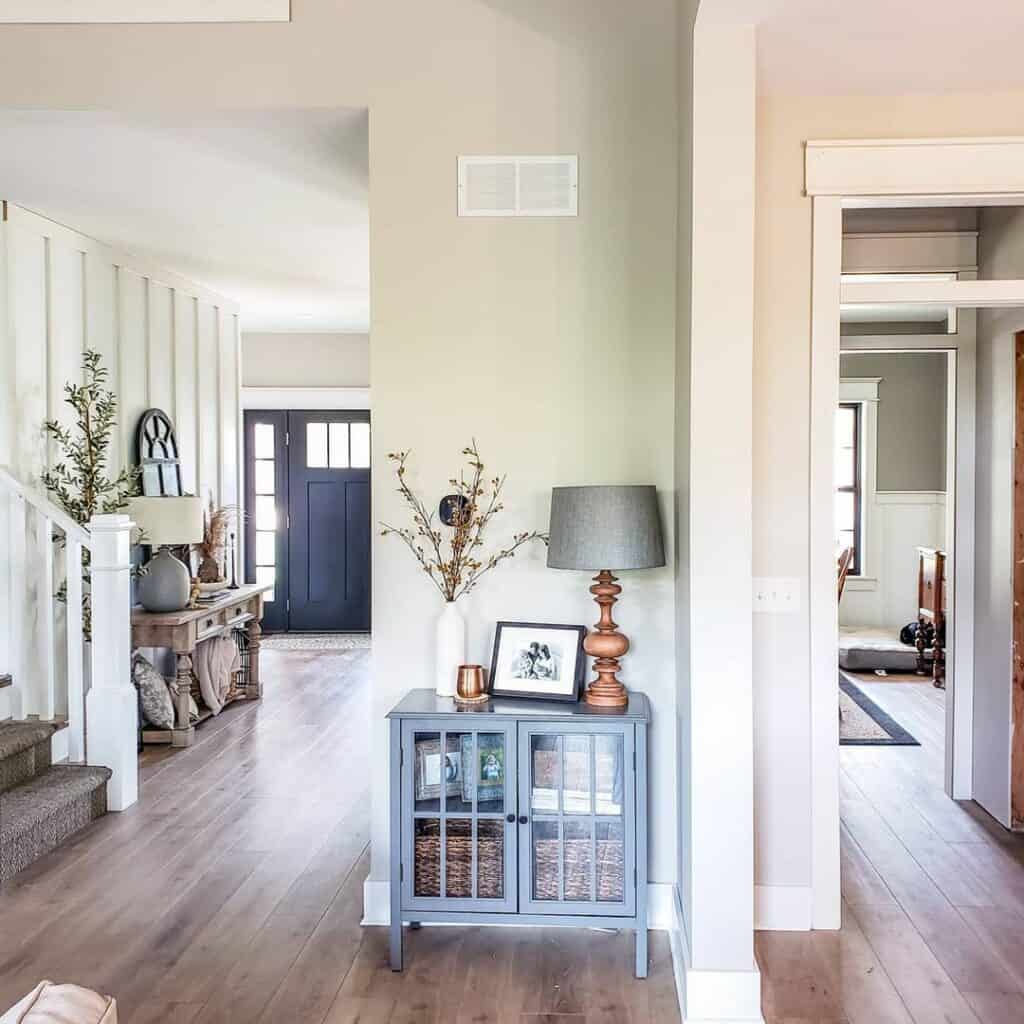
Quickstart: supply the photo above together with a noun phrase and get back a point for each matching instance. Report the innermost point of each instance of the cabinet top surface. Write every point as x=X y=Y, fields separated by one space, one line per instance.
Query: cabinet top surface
x=178 y=618
x=427 y=704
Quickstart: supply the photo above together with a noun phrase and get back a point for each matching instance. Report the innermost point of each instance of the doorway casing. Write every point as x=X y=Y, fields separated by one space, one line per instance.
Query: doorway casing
x=888 y=173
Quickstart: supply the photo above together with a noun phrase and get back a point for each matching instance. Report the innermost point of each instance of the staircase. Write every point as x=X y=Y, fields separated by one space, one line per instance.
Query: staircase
x=41 y=803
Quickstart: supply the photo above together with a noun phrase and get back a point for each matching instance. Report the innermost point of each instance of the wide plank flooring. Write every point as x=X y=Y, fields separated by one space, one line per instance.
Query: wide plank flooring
x=233 y=892
x=933 y=896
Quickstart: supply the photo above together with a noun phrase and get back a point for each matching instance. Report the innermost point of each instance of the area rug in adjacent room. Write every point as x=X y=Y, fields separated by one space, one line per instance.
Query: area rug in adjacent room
x=316 y=642
x=864 y=723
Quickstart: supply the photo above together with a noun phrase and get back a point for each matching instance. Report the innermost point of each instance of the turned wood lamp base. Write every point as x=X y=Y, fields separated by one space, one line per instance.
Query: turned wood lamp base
x=606 y=644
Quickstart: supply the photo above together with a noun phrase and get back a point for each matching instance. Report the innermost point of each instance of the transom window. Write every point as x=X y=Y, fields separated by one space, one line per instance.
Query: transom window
x=848 y=476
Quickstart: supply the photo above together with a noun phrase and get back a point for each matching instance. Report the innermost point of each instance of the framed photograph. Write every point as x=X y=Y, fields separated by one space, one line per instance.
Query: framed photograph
x=488 y=775
x=429 y=769
x=534 y=659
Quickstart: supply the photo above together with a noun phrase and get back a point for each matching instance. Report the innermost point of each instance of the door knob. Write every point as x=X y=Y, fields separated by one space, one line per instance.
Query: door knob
x=511 y=819
x=523 y=819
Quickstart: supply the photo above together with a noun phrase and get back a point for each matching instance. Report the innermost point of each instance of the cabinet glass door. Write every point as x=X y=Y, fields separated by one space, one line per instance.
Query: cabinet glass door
x=576 y=854
x=458 y=789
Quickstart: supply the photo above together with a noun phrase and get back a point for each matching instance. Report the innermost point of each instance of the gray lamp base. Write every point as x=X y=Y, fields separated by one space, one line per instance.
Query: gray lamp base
x=166 y=584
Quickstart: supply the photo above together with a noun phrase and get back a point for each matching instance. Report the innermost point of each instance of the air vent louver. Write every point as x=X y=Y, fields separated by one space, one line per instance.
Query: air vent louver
x=518 y=186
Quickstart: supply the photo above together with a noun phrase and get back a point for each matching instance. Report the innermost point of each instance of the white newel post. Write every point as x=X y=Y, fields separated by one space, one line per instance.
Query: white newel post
x=112 y=706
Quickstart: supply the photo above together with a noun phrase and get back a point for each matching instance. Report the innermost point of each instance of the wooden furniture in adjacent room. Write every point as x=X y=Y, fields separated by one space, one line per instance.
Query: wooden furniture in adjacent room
x=522 y=812
x=181 y=631
x=931 y=614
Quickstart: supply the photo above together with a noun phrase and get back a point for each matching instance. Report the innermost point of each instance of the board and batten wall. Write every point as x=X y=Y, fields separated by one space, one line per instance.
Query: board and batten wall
x=165 y=341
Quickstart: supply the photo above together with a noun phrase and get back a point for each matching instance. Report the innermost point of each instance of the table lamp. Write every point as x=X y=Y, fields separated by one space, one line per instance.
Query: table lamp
x=601 y=529
x=166 y=584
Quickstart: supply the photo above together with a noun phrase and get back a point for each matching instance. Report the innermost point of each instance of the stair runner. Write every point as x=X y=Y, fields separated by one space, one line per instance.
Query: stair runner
x=41 y=804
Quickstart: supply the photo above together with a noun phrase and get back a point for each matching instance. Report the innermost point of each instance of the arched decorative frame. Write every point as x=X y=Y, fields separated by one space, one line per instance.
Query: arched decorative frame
x=156 y=451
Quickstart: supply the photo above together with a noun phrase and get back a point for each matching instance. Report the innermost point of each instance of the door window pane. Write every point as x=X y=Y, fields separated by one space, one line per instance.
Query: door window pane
x=490 y=859
x=576 y=794
x=265 y=513
x=339 y=445
x=316 y=445
x=360 y=434
x=610 y=775
x=845 y=511
x=263 y=440
x=545 y=860
x=427 y=857
x=546 y=772
x=265 y=576
x=577 y=859
x=611 y=859
x=490 y=773
x=458 y=857
x=264 y=548
x=263 y=476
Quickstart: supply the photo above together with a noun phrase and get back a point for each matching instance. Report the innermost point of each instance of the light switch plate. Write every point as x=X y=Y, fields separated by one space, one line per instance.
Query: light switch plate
x=776 y=595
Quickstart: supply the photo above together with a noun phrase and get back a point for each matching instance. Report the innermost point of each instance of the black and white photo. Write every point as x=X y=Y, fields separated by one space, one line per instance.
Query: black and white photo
x=538 y=660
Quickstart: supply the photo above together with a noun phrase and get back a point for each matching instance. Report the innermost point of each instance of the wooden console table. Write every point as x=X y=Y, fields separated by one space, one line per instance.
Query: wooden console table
x=182 y=631
x=931 y=614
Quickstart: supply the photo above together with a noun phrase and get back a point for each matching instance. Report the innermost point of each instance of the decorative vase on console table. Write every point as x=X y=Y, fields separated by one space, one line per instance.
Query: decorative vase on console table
x=454 y=565
x=166 y=583
x=451 y=648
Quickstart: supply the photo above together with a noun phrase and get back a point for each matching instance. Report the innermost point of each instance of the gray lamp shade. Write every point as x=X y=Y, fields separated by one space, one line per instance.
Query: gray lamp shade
x=594 y=528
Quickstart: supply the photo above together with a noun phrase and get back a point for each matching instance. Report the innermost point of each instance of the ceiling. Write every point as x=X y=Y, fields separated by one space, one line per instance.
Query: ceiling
x=267 y=208
x=882 y=47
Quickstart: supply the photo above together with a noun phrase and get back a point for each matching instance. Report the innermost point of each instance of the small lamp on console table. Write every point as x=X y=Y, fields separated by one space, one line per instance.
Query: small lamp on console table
x=605 y=529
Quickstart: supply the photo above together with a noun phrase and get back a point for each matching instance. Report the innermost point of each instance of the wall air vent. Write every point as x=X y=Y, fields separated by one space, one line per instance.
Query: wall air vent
x=518 y=186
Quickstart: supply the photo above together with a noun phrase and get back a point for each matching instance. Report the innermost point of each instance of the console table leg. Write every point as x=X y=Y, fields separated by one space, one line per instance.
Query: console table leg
x=183 y=734
x=254 y=688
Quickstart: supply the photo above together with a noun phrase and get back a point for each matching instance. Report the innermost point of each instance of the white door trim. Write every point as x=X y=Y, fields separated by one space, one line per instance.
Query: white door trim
x=938 y=172
x=306 y=398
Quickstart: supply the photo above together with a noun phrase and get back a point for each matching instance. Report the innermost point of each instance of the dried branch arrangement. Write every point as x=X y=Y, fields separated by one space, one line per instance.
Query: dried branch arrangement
x=216 y=522
x=457 y=570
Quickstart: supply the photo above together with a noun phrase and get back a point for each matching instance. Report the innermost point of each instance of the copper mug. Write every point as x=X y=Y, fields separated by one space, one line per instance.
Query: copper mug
x=469 y=684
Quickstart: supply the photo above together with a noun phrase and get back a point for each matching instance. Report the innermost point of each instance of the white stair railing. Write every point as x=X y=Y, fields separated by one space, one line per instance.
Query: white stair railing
x=49 y=679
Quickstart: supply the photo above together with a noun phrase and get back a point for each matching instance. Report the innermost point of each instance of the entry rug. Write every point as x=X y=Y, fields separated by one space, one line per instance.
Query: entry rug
x=316 y=642
x=863 y=723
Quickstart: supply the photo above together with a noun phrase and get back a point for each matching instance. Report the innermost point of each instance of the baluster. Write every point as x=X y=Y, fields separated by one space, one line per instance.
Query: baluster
x=18 y=594
x=44 y=648
x=112 y=704
x=76 y=653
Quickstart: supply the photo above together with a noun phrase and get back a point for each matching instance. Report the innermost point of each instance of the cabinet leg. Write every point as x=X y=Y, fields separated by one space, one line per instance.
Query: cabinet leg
x=254 y=689
x=183 y=734
x=641 y=952
x=414 y=925
x=396 y=944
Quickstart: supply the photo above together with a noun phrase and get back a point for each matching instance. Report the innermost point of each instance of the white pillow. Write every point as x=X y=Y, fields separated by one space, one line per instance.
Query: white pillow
x=62 y=1004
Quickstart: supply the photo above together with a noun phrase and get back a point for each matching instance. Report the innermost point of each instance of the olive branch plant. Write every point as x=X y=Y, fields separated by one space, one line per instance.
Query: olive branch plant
x=455 y=567
x=79 y=482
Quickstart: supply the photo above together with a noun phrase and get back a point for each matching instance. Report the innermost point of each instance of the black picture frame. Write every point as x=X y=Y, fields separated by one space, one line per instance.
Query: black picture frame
x=557 y=689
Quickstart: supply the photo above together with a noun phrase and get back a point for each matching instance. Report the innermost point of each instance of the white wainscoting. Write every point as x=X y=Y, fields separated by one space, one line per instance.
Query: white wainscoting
x=164 y=340
x=897 y=522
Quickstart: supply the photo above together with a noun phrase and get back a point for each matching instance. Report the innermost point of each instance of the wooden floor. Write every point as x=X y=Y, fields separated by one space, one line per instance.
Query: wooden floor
x=933 y=896
x=232 y=892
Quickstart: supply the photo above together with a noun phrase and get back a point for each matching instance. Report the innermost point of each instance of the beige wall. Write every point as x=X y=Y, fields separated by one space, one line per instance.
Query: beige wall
x=549 y=340
x=911 y=455
x=277 y=360
x=782 y=428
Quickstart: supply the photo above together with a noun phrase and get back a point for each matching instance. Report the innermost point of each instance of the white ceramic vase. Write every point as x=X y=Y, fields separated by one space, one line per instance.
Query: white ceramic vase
x=451 y=648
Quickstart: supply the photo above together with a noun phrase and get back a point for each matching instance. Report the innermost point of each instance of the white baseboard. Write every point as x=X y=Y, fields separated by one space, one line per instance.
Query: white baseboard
x=711 y=997
x=783 y=908
x=377 y=904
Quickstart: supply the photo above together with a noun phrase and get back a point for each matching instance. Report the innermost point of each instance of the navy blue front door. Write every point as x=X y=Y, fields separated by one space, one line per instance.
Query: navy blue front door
x=329 y=521
x=308 y=529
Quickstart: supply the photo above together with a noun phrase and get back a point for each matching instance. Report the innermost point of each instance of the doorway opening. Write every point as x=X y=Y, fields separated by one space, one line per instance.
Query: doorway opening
x=308 y=533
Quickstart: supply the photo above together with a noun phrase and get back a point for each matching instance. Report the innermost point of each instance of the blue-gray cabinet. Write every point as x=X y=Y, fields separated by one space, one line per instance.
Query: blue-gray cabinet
x=520 y=810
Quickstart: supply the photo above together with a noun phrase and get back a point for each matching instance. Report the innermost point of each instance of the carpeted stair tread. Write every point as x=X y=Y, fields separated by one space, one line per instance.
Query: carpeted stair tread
x=16 y=737
x=25 y=806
